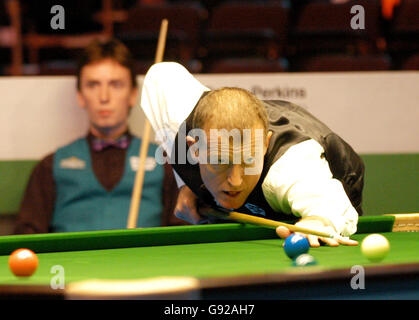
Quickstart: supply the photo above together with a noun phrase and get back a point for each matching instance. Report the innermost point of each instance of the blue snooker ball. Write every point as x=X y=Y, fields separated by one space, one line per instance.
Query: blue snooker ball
x=295 y=245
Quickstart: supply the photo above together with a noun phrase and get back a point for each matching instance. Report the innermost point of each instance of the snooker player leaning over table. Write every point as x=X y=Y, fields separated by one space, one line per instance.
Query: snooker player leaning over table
x=87 y=184
x=304 y=171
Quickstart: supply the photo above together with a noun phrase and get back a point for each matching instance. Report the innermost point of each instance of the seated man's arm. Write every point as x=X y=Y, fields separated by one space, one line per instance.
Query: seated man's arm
x=37 y=206
x=301 y=183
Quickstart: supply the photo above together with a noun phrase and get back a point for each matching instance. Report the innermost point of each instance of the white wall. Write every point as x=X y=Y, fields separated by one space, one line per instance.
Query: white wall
x=376 y=112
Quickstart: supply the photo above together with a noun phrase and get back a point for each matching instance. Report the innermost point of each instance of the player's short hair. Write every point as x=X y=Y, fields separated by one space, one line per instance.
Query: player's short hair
x=230 y=108
x=99 y=50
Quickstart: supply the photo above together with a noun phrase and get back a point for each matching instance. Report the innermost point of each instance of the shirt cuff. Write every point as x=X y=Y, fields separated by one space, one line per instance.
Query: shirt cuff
x=180 y=183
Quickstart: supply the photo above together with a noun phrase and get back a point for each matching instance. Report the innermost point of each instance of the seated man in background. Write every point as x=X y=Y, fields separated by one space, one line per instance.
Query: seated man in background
x=297 y=167
x=87 y=184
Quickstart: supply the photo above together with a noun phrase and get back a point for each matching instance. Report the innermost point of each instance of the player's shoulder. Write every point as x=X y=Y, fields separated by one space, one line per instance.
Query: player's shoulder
x=277 y=108
x=281 y=103
x=45 y=164
x=164 y=69
x=71 y=143
x=277 y=101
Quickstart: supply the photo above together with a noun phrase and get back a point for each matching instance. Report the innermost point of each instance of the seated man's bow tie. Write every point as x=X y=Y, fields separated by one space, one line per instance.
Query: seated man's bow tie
x=100 y=144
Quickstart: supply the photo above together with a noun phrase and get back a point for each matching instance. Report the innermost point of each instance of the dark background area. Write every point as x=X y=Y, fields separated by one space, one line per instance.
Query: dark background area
x=218 y=36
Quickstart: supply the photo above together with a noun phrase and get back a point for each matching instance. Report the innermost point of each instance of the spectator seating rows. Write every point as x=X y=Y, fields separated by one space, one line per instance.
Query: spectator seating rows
x=235 y=36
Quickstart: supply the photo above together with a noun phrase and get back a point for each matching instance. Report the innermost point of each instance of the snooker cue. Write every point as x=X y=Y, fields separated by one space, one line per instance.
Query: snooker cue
x=246 y=218
x=139 y=177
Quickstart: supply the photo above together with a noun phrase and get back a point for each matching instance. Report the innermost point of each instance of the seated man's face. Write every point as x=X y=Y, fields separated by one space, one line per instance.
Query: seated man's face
x=232 y=170
x=107 y=93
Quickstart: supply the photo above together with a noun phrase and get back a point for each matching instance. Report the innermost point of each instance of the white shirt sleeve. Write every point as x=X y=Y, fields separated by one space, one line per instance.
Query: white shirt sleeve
x=301 y=183
x=169 y=94
x=180 y=183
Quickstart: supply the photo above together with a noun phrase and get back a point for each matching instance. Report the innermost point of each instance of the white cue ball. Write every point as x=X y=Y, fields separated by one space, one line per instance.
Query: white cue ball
x=375 y=247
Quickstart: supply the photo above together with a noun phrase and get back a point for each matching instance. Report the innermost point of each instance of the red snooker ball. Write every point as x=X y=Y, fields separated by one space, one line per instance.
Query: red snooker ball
x=23 y=262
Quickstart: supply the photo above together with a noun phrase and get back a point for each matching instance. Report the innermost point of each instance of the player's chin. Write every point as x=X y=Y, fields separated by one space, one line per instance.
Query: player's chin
x=102 y=125
x=106 y=124
x=228 y=203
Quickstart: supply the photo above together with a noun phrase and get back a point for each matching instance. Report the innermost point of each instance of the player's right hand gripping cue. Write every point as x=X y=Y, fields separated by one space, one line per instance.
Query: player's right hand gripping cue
x=187 y=207
x=321 y=224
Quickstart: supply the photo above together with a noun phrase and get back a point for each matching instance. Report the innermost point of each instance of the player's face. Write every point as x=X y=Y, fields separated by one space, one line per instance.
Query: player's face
x=107 y=94
x=231 y=173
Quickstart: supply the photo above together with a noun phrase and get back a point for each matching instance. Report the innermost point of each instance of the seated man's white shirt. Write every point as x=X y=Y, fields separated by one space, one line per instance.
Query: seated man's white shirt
x=301 y=183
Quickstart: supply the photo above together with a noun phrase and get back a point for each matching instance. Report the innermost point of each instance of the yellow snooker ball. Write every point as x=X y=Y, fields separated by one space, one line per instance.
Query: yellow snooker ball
x=375 y=247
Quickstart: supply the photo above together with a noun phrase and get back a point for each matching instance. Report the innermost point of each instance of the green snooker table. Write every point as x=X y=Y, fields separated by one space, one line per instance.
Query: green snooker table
x=219 y=261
